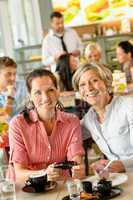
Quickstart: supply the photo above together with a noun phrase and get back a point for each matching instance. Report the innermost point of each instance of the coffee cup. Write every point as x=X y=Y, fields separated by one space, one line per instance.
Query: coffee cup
x=37 y=182
x=104 y=187
x=87 y=186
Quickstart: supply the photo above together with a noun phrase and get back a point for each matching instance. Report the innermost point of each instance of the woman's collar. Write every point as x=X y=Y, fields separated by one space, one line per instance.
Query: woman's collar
x=34 y=116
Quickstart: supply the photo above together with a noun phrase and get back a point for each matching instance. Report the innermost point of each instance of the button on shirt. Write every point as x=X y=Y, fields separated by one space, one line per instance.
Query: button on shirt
x=31 y=147
x=115 y=136
x=52 y=46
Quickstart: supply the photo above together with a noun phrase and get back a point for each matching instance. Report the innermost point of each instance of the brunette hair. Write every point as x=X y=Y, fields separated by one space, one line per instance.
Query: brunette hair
x=7 y=62
x=64 y=71
x=39 y=73
x=127 y=47
x=35 y=74
x=56 y=14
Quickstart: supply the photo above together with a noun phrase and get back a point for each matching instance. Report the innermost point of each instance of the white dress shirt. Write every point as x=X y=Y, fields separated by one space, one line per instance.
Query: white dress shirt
x=115 y=136
x=52 y=46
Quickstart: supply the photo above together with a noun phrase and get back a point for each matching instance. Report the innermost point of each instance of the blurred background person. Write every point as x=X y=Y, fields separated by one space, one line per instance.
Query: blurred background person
x=12 y=97
x=7 y=83
x=124 y=54
x=109 y=120
x=7 y=97
x=58 y=41
x=93 y=52
x=66 y=66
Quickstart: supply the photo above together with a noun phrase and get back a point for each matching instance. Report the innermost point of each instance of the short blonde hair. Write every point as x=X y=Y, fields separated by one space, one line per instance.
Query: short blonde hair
x=103 y=72
x=90 y=48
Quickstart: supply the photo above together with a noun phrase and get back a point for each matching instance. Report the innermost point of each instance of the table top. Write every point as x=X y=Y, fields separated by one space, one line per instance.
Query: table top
x=59 y=192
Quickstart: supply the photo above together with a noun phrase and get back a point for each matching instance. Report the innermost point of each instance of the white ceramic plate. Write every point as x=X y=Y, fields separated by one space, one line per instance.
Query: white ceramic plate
x=116 y=178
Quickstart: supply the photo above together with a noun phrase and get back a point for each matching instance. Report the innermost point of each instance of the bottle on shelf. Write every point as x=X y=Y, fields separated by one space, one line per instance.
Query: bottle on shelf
x=125 y=25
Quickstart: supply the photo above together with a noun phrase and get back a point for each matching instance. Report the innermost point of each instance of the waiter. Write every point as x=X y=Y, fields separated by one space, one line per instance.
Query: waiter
x=58 y=41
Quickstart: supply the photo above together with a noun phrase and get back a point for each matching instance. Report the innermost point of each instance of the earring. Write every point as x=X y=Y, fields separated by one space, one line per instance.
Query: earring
x=30 y=104
x=110 y=90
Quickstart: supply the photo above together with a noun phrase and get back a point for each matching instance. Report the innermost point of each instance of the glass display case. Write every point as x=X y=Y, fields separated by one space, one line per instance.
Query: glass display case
x=110 y=44
x=28 y=58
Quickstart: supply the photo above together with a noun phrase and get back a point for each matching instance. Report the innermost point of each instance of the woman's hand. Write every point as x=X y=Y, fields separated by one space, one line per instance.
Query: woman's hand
x=116 y=166
x=78 y=171
x=54 y=174
x=99 y=165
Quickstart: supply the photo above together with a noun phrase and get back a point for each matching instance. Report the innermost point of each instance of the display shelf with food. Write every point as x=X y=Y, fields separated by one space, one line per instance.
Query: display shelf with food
x=95 y=10
x=70 y=10
x=27 y=58
x=81 y=12
x=104 y=10
x=110 y=44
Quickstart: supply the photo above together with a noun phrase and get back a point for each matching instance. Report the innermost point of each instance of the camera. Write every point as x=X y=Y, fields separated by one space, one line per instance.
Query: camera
x=65 y=165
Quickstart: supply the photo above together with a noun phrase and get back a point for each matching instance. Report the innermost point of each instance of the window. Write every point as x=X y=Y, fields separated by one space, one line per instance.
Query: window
x=23 y=22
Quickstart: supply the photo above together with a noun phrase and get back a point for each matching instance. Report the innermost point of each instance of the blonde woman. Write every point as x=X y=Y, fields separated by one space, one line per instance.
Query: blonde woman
x=93 y=52
x=110 y=119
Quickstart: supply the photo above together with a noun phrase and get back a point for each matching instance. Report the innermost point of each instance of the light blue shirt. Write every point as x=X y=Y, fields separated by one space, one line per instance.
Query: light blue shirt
x=19 y=103
x=20 y=97
x=115 y=136
x=2 y=99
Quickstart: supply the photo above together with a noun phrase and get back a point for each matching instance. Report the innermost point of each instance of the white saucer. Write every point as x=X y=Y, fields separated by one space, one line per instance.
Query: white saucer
x=116 y=178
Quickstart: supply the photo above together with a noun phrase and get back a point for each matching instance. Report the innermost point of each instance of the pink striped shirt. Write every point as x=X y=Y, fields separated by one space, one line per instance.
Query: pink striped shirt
x=31 y=147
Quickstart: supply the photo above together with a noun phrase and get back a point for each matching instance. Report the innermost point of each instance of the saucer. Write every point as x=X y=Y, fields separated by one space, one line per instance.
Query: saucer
x=114 y=193
x=49 y=186
x=116 y=178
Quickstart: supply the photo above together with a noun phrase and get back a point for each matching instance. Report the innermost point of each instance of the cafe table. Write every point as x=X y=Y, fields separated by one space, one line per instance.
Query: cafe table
x=60 y=191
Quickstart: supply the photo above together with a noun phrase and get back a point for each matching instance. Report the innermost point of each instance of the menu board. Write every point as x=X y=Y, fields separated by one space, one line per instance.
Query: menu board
x=79 y=12
x=71 y=10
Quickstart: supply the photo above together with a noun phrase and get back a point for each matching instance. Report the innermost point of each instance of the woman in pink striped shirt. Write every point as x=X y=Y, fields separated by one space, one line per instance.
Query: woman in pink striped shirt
x=43 y=135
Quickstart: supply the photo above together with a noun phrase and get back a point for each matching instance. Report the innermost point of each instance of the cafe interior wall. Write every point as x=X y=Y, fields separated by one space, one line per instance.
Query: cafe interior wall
x=6 y=42
x=27 y=28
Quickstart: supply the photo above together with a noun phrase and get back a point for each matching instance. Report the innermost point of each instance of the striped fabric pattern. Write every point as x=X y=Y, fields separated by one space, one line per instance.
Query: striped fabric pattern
x=31 y=147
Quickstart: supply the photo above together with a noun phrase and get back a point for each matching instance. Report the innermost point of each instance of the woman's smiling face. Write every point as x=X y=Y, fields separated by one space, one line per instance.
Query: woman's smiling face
x=122 y=56
x=92 y=88
x=44 y=93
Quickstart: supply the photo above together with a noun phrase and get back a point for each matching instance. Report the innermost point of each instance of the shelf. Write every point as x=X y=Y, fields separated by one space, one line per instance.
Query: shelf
x=118 y=35
x=28 y=58
x=30 y=47
x=27 y=55
x=110 y=50
x=108 y=37
x=28 y=61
